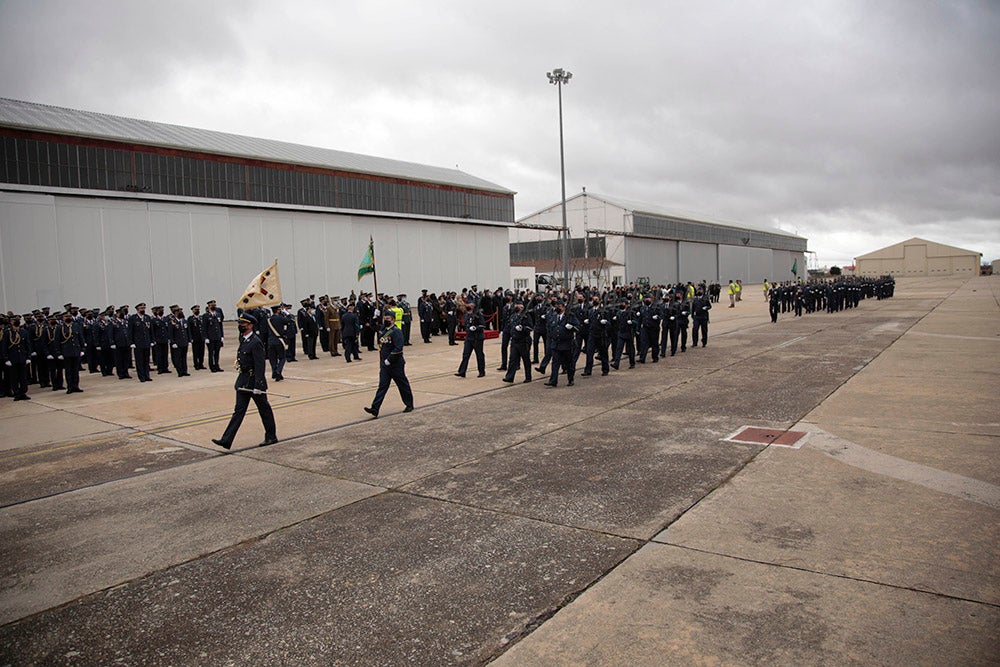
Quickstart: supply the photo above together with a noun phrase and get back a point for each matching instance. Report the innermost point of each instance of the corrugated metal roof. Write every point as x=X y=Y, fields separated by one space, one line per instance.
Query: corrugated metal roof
x=653 y=209
x=60 y=120
x=634 y=206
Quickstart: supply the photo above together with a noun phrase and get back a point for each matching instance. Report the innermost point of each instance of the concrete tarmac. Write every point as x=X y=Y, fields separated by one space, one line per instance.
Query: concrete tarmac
x=628 y=520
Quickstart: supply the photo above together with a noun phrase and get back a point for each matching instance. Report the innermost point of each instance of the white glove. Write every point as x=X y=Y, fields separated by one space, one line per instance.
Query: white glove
x=519 y=328
x=543 y=317
x=206 y=341
x=27 y=362
x=132 y=346
x=569 y=326
x=7 y=363
x=472 y=328
x=628 y=321
x=604 y=321
x=174 y=346
x=386 y=362
x=451 y=312
x=586 y=321
x=672 y=317
x=60 y=357
x=98 y=348
x=34 y=354
x=48 y=356
x=114 y=347
x=704 y=307
x=656 y=317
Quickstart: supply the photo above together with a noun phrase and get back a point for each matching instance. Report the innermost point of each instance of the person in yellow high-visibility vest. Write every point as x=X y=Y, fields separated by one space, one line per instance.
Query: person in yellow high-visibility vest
x=731 y=291
x=690 y=290
x=767 y=289
x=739 y=290
x=397 y=313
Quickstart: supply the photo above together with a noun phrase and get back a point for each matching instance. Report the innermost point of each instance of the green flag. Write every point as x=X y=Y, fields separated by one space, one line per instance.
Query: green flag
x=795 y=267
x=368 y=261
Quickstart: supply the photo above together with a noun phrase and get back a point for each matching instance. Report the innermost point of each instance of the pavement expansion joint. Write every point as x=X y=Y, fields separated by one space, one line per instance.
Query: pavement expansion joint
x=832 y=575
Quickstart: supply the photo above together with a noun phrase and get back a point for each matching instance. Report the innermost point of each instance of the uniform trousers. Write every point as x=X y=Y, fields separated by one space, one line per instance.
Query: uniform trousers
x=702 y=326
x=214 y=348
x=142 y=363
x=520 y=354
x=198 y=353
x=239 y=412
x=472 y=345
x=394 y=372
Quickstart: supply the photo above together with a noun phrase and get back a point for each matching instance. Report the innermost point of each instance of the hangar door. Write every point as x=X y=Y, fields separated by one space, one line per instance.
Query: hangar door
x=915 y=260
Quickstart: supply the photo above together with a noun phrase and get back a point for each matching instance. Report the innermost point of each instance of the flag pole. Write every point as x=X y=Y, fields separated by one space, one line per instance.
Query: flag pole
x=371 y=244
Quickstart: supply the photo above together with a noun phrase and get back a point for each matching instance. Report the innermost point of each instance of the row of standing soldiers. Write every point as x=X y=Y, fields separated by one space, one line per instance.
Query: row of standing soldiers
x=832 y=296
x=51 y=349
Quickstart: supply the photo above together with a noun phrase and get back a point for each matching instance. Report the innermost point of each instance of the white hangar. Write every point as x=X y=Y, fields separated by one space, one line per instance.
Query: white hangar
x=644 y=242
x=99 y=209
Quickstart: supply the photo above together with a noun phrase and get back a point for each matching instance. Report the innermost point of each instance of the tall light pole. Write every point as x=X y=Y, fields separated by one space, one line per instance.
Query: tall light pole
x=558 y=77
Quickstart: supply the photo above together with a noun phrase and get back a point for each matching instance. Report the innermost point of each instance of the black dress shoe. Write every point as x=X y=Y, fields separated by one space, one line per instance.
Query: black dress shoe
x=460 y=375
x=372 y=413
x=502 y=368
x=585 y=374
x=507 y=379
x=569 y=384
x=268 y=441
x=526 y=381
x=481 y=375
x=551 y=384
x=222 y=443
x=408 y=408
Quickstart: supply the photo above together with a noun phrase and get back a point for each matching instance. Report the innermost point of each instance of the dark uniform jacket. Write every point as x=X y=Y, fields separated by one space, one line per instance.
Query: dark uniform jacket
x=250 y=359
x=140 y=330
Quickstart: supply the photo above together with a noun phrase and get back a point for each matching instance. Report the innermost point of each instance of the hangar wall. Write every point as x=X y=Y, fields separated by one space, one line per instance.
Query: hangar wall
x=650 y=258
x=100 y=251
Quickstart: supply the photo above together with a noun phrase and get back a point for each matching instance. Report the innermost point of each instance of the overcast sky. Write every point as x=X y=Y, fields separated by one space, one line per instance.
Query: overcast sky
x=856 y=124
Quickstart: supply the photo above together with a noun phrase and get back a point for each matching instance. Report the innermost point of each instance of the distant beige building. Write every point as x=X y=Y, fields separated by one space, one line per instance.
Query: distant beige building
x=919 y=257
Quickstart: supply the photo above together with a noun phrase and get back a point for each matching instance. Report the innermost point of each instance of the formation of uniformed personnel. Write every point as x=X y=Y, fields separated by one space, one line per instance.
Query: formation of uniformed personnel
x=392 y=367
x=831 y=296
x=250 y=385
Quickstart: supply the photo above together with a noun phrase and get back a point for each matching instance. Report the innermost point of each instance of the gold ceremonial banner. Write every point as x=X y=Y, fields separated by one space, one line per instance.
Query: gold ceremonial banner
x=263 y=291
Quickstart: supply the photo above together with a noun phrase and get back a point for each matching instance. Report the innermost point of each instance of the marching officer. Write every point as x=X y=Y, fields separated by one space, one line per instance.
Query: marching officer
x=699 y=309
x=250 y=384
x=277 y=329
x=562 y=338
x=393 y=366
x=519 y=324
x=474 y=337
x=599 y=338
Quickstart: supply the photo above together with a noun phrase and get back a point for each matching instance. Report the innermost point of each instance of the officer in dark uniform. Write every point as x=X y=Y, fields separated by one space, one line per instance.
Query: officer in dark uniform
x=624 y=323
x=161 y=341
x=140 y=333
x=392 y=367
x=407 y=317
x=699 y=309
x=177 y=333
x=562 y=337
x=425 y=314
x=774 y=302
x=121 y=344
x=350 y=327
x=474 y=337
x=520 y=326
x=308 y=328
x=683 y=313
x=277 y=329
x=105 y=339
x=36 y=342
x=50 y=350
x=649 y=334
x=15 y=351
x=599 y=337
x=196 y=334
x=451 y=317
x=214 y=339
x=69 y=337
x=250 y=384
